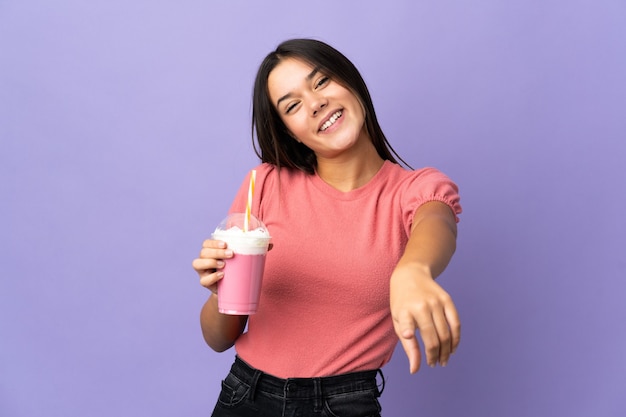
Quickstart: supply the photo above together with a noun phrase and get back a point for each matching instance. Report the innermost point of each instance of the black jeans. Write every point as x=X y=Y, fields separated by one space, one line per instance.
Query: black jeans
x=248 y=392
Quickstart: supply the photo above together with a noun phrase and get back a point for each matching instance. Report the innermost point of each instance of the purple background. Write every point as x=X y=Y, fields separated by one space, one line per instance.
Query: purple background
x=124 y=130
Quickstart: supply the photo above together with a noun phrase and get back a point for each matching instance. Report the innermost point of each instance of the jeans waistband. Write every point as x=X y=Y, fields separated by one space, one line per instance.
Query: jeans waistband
x=307 y=387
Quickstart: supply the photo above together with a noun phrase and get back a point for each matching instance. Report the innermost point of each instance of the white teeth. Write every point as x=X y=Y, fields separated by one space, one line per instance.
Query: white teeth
x=331 y=121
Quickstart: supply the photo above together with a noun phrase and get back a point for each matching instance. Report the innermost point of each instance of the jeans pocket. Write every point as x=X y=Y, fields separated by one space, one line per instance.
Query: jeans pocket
x=233 y=391
x=357 y=404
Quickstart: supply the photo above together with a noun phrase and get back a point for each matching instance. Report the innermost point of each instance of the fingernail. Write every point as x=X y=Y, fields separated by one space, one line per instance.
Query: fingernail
x=220 y=264
x=220 y=274
x=228 y=253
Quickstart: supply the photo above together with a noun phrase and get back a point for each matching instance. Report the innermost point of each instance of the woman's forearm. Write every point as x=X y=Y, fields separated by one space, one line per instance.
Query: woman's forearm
x=220 y=330
x=417 y=302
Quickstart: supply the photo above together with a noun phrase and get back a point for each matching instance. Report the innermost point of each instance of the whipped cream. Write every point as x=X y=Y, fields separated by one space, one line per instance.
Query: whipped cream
x=252 y=242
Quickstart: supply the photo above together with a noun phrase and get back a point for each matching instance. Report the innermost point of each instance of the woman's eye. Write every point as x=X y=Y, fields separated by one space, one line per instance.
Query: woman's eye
x=322 y=81
x=291 y=107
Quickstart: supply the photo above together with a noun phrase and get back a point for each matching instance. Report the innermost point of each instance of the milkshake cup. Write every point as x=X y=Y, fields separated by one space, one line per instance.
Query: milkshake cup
x=238 y=292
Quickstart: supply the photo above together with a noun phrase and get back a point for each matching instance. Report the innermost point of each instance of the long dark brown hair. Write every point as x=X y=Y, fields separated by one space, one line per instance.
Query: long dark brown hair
x=273 y=143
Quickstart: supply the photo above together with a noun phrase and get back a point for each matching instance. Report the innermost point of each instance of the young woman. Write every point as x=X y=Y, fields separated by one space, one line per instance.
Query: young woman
x=358 y=241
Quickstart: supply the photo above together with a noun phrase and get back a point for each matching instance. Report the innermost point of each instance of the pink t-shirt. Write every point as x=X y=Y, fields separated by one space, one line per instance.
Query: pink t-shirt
x=324 y=307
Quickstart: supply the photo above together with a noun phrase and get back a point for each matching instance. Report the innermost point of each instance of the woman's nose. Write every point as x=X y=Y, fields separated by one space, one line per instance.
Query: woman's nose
x=318 y=105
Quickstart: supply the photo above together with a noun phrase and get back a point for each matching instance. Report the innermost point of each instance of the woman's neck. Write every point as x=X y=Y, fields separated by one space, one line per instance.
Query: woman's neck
x=350 y=172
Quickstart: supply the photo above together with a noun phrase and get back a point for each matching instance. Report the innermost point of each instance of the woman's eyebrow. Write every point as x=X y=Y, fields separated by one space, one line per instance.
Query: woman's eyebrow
x=308 y=78
x=312 y=74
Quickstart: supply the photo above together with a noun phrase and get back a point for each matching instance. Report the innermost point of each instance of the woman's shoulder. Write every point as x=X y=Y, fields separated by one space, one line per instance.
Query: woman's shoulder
x=271 y=177
x=419 y=186
x=271 y=172
x=428 y=180
x=264 y=168
x=399 y=172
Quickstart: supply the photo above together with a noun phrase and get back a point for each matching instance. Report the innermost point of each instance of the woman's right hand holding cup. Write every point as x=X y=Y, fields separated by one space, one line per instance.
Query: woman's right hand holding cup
x=210 y=263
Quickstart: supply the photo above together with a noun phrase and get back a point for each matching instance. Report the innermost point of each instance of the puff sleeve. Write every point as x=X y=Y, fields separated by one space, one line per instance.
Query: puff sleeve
x=423 y=186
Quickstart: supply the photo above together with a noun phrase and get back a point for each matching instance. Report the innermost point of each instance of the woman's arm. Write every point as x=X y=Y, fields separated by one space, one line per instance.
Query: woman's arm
x=417 y=302
x=220 y=330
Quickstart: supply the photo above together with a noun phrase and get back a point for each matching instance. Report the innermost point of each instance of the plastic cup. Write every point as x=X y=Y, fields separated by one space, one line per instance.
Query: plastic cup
x=238 y=292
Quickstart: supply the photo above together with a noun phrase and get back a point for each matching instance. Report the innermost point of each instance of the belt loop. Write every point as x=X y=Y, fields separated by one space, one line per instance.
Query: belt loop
x=317 y=385
x=254 y=383
x=380 y=391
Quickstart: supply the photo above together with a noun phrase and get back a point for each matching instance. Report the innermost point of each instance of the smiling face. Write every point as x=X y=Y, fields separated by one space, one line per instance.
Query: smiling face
x=318 y=111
